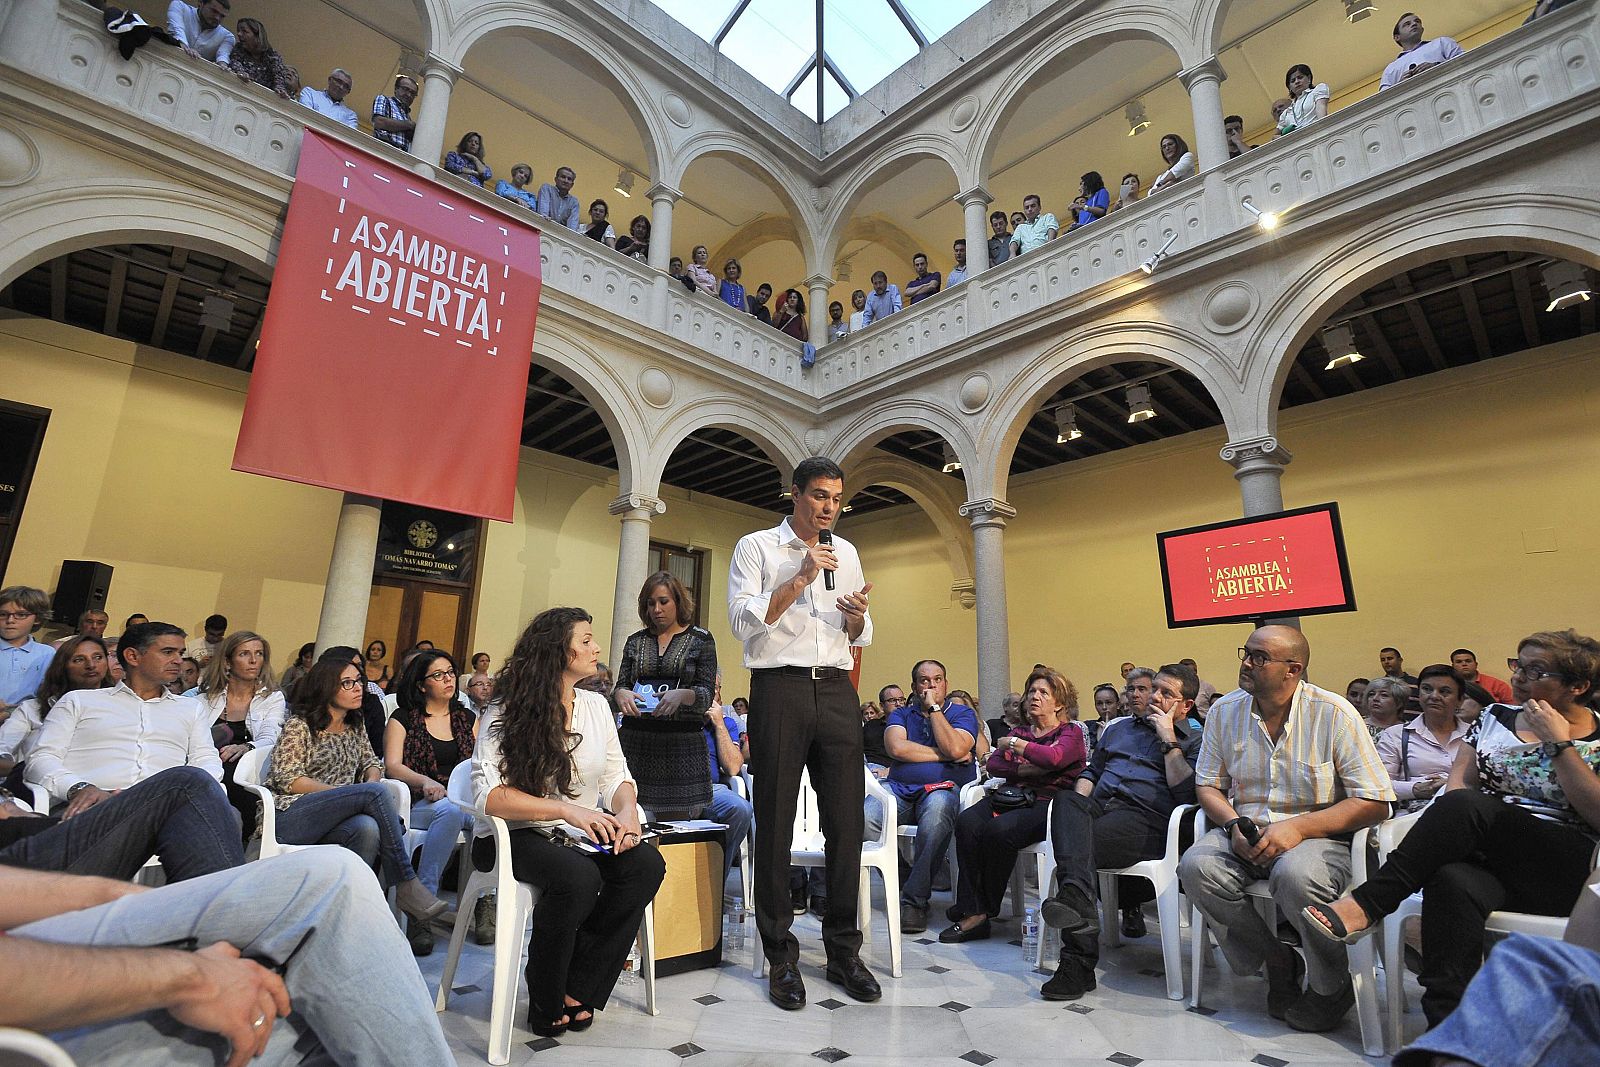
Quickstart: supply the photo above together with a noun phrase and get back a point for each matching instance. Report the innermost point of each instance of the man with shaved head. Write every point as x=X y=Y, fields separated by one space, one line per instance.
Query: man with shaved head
x=1287 y=772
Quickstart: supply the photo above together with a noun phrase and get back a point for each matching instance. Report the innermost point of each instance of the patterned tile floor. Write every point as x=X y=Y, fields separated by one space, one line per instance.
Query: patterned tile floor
x=954 y=1005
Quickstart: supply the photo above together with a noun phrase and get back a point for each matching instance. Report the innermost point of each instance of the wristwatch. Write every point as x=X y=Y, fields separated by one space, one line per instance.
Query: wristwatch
x=78 y=788
x=1552 y=749
x=1170 y=746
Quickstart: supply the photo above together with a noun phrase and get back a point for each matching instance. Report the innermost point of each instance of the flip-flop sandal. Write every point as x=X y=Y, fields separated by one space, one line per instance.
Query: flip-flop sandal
x=1330 y=926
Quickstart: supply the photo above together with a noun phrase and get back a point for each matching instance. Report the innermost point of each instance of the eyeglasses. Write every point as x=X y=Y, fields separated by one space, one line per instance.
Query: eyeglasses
x=348 y=684
x=7 y=616
x=1533 y=672
x=1257 y=658
x=439 y=676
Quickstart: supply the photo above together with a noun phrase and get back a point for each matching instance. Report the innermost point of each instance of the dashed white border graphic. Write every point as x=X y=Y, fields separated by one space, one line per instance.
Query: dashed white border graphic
x=1288 y=577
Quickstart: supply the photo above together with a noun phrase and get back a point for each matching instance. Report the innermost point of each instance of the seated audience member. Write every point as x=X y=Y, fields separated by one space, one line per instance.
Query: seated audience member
x=188 y=678
x=1000 y=243
x=729 y=291
x=858 y=309
x=373 y=713
x=375 y=664
x=958 y=273
x=675 y=269
x=391 y=115
x=1393 y=665
x=1514 y=830
x=91 y=623
x=1416 y=55
x=1179 y=160
x=243 y=709
x=549 y=759
x=327 y=785
x=95 y=988
x=637 y=241
x=429 y=733
x=516 y=188
x=1466 y=661
x=469 y=160
x=556 y=202
x=1419 y=753
x=1355 y=691
x=1126 y=669
x=1301 y=818
x=1035 y=229
x=1233 y=130
x=480 y=662
x=297 y=670
x=80 y=663
x=255 y=60
x=1307 y=102
x=1096 y=199
x=97 y=741
x=1036 y=761
x=199 y=31
x=1010 y=718
x=924 y=284
x=741 y=711
x=980 y=740
x=1474 y=698
x=838 y=329
x=1383 y=704
x=757 y=304
x=599 y=229
x=330 y=101
x=724 y=744
x=204 y=648
x=479 y=693
x=1107 y=706
x=929 y=741
x=1116 y=815
x=883 y=301
x=790 y=317
x=1202 y=703
x=23 y=660
x=700 y=276
x=874 y=721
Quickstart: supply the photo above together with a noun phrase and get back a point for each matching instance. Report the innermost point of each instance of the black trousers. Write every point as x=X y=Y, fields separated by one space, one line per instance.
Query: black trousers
x=1471 y=854
x=1090 y=834
x=589 y=910
x=801 y=723
x=986 y=851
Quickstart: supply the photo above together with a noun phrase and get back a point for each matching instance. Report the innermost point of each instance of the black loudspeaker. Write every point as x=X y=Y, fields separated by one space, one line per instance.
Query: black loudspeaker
x=83 y=586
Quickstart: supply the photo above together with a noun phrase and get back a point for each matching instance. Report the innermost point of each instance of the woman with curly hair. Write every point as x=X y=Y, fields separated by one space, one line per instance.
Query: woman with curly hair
x=550 y=764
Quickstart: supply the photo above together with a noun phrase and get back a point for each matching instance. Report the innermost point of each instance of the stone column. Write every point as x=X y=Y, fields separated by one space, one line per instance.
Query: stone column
x=817 y=287
x=349 y=588
x=988 y=518
x=662 y=197
x=433 y=110
x=975 y=204
x=633 y=557
x=1258 y=464
x=1204 y=83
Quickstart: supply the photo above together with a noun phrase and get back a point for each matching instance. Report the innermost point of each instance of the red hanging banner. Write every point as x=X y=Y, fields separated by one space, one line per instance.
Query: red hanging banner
x=394 y=352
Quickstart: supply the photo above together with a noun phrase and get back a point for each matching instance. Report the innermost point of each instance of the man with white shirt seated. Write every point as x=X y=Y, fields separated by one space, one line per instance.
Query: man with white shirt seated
x=98 y=741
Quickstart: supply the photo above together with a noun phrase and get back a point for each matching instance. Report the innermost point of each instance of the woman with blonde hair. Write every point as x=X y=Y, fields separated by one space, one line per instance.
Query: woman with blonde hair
x=245 y=708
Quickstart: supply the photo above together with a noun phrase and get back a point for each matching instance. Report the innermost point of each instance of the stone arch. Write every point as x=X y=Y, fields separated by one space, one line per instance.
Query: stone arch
x=601 y=384
x=1562 y=222
x=842 y=204
x=638 y=95
x=851 y=444
x=1099 y=346
x=1137 y=21
x=1209 y=16
x=938 y=501
x=799 y=199
x=726 y=412
x=62 y=217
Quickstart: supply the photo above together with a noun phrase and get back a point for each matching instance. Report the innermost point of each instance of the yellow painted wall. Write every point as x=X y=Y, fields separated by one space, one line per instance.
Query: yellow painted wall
x=1468 y=506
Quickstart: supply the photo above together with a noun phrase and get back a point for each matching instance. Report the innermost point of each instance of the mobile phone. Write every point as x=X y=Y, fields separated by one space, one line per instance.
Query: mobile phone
x=1249 y=830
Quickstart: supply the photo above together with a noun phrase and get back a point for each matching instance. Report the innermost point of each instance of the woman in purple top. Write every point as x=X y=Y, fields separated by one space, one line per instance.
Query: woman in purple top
x=1045 y=754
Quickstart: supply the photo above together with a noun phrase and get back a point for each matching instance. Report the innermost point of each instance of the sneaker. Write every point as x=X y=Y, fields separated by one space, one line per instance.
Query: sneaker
x=483 y=920
x=419 y=935
x=797 y=898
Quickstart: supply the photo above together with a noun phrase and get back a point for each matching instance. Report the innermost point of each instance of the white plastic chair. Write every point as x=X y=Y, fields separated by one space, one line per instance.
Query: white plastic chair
x=248 y=771
x=514 y=904
x=24 y=1048
x=1043 y=855
x=739 y=783
x=882 y=854
x=1163 y=875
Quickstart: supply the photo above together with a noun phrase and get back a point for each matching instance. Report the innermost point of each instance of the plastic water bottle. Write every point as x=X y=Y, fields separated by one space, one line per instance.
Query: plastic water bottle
x=1030 y=938
x=630 y=967
x=734 y=938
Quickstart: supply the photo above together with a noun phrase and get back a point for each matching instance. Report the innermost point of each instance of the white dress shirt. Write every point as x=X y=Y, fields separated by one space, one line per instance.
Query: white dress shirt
x=113 y=739
x=183 y=22
x=319 y=101
x=20 y=733
x=598 y=766
x=811 y=632
x=264 y=718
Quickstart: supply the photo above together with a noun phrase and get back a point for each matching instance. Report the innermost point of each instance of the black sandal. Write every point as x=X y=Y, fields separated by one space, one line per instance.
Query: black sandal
x=1329 y=925
x=578 y=1025
x=555 y=1029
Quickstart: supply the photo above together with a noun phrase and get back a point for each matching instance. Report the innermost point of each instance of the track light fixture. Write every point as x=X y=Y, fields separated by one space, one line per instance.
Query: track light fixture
x=1267 y=220
x=1138 y=121
x=1356 y=10
x=1340 y=343
x=624 y=182
x=1139 y=406
x=1067 y=424
x=1567 y=283
x=1149 y=266
x=951 y=463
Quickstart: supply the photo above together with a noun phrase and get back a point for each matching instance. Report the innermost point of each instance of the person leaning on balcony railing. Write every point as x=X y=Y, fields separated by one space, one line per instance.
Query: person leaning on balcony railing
x=1095 y=197
x=791 y=316
x=838 y=329
x=1034 y=229
x=1416 y=55
x=699 y=275
x=599 y=229
x=729 y=291
x=1000 y=243
x=1308 y=102
x=199 y=30
x=391 y=115
x=884 y=301
x=1233 y=130
x=636 y=242
x=255 y=60
x=516 y=188
x=330 y=101
x=858 y=305
x=1131 y=192
x=469 y=160
x=958 y=274
x=1179 y=160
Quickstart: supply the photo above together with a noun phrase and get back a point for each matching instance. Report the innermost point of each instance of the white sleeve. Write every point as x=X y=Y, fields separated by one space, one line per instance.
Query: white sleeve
x=747 y=600
x=23 y=721
x=486 y=759
x=265 y=718
x=175 y=22
x=47 y=764
x=616 y=773
x=202 y=746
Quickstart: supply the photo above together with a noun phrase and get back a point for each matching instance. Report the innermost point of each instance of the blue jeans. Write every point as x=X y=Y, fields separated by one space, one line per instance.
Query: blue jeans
x=729 y=807
x=934 y=815
x=357 y=994
x=1535 y=1001
x=180 y=814
x=444 y=823
x=359 y=817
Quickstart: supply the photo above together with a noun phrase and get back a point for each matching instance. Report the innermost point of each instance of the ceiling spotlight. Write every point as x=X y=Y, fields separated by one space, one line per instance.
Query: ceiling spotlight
x=1149 y=266
x=1567 y=283
x=1067 y=424
x=1139 y=406
x=1356 y=10
x=1267 y=220
x=216 y=311
x=951 y=463
x=1138 y=121
x=624 y=182
x=847 y=509
x=1340 y=342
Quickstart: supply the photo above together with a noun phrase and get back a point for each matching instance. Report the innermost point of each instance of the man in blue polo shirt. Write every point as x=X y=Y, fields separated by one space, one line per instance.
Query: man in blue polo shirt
x=727 y=760
x=930 y=745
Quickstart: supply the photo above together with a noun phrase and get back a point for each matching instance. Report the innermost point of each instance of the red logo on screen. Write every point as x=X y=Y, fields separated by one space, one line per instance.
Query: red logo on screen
x=1249 y=570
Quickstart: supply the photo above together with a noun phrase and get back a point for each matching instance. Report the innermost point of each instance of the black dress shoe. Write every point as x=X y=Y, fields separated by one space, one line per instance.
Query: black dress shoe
x=1283 y=992
x=1317 y=1013
x=853 y=975
x=819 y=907
x=1133 y=922
x=955 y=913
x=1071 y=981
x=913 y=920
x=1070 y=910
x=957 y=936
x=785 y=987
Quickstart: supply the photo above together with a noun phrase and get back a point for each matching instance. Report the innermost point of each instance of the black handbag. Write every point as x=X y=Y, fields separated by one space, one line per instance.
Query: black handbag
x=1011 y=798
x=669 y=760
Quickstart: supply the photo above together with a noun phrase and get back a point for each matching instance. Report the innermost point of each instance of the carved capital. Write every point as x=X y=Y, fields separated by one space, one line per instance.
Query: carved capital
x=1210 y=70
x=436 y=66
x=661 y=191
x=1254 y=453
x=987 y=512
x=977 y=194
x=637 y=506
x=819 y=281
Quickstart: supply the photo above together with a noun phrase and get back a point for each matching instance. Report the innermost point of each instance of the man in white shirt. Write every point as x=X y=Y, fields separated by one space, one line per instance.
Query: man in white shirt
x=798 y=601
x=1035 y=229
x=331 y=102
x=1416 y=55
x=199 y=30
x=98 y=741
x=959 y=274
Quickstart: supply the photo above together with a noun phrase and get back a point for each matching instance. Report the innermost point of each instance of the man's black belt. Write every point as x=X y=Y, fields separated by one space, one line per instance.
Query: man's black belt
x=816 y=674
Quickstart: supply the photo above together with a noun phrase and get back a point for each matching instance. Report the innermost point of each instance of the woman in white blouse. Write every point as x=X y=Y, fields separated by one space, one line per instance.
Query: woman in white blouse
x=80 y=663
x=1420 y=752
x=1308 y=102
x=548 y=762
x=1179 y=160
x=245 y=708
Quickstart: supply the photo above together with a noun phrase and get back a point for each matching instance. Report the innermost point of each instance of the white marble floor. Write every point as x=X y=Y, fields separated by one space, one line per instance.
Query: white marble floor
x=954 y=1005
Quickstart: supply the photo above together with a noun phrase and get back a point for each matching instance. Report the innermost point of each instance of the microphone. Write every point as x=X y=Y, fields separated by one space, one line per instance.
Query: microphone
x=826 y=537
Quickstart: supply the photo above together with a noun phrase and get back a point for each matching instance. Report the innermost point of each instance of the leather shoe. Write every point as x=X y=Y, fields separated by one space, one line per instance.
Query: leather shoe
x=913 y=920
x=785 y=987
x=1133 y=922
x=1071 y=981
x=1281 y=995
x=1317 y=1013
x=1070 y=910
x=819 y=907
x=853 y=975
x=956 y=936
